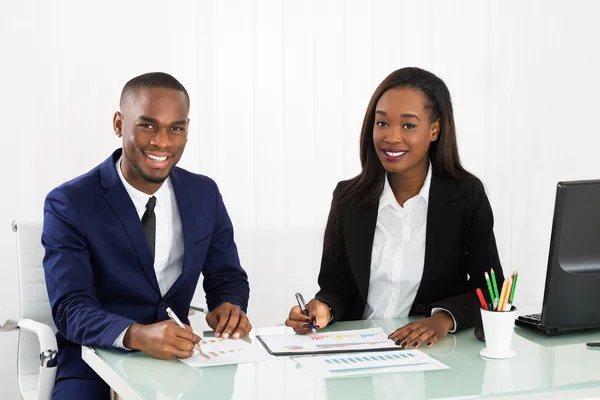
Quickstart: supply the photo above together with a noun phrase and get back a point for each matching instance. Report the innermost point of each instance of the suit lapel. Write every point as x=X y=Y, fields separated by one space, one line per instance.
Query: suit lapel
x=444 y=215
x=119 y=200
x=358 y=232
x=186 y=208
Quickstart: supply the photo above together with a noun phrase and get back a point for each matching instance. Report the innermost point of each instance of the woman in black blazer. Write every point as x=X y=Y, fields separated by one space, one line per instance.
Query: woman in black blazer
x=412 y=234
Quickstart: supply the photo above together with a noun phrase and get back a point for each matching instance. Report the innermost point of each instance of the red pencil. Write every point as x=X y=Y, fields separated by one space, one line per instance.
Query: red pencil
x=481 y=299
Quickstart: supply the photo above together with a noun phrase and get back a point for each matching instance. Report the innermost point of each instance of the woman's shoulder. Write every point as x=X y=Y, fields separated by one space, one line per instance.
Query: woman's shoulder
x=341 y=187
x=466 y=184
x=470 y=182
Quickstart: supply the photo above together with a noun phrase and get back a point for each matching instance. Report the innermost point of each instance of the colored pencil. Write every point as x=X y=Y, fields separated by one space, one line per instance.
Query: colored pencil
x=507 y=305
x=489 y=285
x=481 y=299
x=494 y=285
x=503 y=296
x=514 y=285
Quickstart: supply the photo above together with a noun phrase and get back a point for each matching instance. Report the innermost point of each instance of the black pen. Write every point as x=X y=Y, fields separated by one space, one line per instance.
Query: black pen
x=304 y=310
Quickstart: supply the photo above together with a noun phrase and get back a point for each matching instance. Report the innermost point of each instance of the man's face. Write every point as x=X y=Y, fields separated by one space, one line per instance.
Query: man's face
x=153 y=123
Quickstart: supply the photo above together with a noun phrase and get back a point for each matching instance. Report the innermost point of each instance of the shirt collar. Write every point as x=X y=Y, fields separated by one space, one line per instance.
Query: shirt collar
x=387 y=196
x=139 y=198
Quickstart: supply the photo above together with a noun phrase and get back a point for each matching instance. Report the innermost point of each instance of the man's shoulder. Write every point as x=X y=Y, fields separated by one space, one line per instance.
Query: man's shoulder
x=82 y=185
x=190 y=177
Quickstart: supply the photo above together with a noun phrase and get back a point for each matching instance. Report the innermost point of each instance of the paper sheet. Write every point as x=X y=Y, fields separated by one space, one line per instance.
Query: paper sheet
x=371 y=363
x=218 y=351
x=330 y=342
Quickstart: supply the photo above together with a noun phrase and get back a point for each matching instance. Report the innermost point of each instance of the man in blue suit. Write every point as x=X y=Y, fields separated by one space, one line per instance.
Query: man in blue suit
x=130 y=238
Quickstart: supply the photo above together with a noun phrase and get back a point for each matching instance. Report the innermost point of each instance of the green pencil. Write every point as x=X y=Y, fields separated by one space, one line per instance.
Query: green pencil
x=489 y=285
x=494 y=284
x=514 y=285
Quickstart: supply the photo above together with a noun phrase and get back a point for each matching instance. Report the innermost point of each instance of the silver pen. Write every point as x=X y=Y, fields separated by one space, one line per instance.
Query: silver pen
x=174 y=317
x=304 y=311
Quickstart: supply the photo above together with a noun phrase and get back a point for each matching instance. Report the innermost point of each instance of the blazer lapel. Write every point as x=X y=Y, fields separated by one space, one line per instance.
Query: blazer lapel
x=444 y=215
x=358 y=233
x=186 y=214
x=119 y=200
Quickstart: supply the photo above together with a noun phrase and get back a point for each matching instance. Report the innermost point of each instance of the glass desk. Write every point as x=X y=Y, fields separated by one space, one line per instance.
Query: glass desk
x=543 y=365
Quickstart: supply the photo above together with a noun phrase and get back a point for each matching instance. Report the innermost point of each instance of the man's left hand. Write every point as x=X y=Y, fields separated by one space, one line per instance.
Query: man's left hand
x=228 y=320
x=427 y=330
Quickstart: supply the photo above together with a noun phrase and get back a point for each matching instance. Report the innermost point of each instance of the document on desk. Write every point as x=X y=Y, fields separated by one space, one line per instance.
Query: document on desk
x=218 y=351
x=374 y=339
x=337 y=366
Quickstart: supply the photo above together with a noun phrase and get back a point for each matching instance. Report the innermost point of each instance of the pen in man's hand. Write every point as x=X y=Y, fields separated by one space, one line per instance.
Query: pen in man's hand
x=174 y=317
x=304 y=310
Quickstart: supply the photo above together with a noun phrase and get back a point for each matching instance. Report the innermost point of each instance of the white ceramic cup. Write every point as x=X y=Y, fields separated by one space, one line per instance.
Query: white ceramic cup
x=498 y=328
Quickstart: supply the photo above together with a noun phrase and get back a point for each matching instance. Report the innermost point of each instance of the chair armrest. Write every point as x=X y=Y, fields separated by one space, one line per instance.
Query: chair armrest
x=198 y=307
x=45 y=334
x=48 y=353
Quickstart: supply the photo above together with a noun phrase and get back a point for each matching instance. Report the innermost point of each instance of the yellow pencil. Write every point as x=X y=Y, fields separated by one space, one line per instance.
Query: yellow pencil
x=502 y=296
x=507 y=305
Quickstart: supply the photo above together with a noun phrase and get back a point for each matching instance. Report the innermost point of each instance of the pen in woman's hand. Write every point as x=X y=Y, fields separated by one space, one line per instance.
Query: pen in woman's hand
x=176 y=319
x=304 y=311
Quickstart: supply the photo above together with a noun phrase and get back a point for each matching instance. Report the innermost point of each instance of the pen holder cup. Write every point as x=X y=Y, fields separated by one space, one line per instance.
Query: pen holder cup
x=498 y=328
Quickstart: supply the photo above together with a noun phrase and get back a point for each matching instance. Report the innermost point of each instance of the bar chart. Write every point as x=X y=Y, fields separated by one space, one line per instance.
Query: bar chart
x=370 y=363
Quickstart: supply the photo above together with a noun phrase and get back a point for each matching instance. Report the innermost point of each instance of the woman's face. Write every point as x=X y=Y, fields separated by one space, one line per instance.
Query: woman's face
x=403 y=131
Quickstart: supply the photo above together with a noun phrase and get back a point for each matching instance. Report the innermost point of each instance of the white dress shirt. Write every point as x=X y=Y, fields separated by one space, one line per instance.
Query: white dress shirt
x=398 y=255
x=168 y=251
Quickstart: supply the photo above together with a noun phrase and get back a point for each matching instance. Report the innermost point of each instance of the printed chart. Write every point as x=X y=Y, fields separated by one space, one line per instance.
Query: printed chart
x=370 y=363
x=330 y=342
x=209 y=355
x=225 y=351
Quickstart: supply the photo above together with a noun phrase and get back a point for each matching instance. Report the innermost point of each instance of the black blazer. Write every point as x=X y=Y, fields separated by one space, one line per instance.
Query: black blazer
x=460 y=247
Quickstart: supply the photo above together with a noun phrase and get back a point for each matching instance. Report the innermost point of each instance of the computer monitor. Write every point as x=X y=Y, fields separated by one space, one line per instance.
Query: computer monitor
x=572 y=291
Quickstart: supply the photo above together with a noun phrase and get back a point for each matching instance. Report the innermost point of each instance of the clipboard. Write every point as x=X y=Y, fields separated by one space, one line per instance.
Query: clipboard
x=352 y=341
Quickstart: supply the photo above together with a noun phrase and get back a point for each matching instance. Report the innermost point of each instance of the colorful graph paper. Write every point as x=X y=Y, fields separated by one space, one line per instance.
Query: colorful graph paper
x=330 y=342
x=225 y=351
x=370 y=363
x=207 y=355
x=207 y=341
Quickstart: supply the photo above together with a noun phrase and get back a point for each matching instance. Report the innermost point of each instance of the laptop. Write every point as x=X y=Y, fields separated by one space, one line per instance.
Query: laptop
x=572 y=291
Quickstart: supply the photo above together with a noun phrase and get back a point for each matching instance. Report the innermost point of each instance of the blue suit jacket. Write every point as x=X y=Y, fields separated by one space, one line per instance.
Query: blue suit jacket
x=98 y=266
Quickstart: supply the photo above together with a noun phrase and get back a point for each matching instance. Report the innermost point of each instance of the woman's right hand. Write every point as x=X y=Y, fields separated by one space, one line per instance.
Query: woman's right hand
x=318 y=312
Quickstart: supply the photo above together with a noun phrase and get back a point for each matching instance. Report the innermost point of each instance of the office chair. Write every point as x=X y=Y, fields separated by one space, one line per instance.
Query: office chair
x=37 y=348
x=36 y=360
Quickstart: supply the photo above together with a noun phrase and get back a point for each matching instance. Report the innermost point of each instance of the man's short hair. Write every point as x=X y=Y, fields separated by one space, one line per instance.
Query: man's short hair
x=152 y=80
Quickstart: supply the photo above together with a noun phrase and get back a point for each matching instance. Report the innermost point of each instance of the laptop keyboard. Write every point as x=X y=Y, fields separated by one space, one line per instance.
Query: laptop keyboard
x=534 y=322
x=532 y=318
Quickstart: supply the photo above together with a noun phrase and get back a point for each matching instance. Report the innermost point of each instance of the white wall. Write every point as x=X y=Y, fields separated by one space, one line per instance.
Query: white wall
x=278 y=92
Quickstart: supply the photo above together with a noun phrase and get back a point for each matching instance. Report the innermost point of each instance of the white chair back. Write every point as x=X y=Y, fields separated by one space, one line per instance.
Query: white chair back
x=280 y=261
x=34 y=304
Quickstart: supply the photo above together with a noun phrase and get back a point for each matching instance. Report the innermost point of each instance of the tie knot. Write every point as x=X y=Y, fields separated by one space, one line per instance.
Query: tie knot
x=151 y=203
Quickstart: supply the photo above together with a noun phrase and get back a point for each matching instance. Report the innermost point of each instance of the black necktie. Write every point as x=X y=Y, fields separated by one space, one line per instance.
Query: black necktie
x=149 y=224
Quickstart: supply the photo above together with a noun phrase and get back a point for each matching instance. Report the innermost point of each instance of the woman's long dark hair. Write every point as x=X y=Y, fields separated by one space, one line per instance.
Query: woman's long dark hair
x=365 y=189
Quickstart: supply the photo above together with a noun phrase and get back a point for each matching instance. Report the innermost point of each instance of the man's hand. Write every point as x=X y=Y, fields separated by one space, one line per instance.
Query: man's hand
x=426 y=330
x=228 y=320
x=318 y=313
x=164 y=340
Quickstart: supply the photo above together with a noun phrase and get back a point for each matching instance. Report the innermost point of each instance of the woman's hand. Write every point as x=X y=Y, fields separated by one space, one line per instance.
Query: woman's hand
x=318 y=313
x=427 y=330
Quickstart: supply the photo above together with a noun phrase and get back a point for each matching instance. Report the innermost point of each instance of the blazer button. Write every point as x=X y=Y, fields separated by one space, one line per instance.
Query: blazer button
x=162 y=306
x=420 y=308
